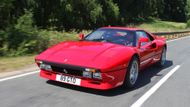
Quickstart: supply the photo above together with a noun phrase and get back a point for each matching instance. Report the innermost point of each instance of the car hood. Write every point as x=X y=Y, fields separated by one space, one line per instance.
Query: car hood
x=87 y=54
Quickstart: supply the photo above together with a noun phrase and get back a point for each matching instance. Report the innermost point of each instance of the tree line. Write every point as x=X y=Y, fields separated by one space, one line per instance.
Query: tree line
x=31 y=26
x=89 y=14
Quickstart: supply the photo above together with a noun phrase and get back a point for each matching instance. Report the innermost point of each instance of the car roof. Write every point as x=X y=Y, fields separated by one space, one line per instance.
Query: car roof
x=122 y=28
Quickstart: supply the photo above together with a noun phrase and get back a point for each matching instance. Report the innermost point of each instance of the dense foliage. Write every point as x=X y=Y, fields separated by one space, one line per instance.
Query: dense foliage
x=88 y=14
x=24 y=23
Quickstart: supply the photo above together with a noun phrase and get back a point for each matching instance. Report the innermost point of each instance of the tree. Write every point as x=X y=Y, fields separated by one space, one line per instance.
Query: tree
x=188 y=9
x=5 y=10
x=110 y=13
x=175 y=10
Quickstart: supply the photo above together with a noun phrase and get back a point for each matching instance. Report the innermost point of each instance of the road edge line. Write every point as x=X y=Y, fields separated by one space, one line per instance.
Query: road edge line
x=18 y=76
x=153 y=89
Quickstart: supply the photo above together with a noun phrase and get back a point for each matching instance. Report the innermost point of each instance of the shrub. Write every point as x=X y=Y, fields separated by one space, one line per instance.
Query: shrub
x=24 y=38
x=188 y=23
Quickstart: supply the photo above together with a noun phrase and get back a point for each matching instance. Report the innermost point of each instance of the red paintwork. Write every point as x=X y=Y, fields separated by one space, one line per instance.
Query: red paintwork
x=111 y=59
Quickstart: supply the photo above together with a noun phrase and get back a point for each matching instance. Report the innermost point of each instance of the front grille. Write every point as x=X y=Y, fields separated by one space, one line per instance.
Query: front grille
x=66 y=69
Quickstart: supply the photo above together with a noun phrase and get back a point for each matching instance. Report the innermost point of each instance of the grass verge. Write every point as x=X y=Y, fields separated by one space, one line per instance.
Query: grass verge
x=162 y=26
x=8 y=64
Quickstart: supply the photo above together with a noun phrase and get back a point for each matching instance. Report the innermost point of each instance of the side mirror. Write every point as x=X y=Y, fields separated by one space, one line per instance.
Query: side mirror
x=142 y=40
x=81 y=36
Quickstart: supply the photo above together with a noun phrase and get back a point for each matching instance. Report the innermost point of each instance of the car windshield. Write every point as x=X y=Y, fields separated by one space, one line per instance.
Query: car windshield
x=117 y=36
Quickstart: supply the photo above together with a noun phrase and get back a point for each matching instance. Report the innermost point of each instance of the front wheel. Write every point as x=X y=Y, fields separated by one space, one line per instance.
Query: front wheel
x=132 y=73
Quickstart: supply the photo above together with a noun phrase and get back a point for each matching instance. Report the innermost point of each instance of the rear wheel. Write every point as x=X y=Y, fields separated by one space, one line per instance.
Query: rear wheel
x=132 y=73
x=162 y=58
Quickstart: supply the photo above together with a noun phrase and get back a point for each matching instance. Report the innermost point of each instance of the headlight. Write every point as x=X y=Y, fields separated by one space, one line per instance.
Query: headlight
x=92 y=73
x=97 y=75
x=87 y=74
x=45 y=67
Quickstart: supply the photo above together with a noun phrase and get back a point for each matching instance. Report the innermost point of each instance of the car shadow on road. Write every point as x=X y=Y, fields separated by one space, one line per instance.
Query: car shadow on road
x=144 y=79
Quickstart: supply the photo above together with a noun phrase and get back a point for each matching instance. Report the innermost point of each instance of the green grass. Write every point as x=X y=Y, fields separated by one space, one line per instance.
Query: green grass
x=162 y=26
x=8 y=64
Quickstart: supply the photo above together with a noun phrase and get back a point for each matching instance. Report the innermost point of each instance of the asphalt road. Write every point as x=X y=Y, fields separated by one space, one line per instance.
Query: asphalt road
x=33 y=91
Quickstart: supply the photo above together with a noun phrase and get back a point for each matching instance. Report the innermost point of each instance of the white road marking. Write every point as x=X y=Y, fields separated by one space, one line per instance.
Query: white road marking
x=18 y=76
x=33 y=72
x=143 y=98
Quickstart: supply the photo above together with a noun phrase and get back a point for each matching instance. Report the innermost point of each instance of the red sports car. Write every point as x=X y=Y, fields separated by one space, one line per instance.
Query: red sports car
x=106 y=58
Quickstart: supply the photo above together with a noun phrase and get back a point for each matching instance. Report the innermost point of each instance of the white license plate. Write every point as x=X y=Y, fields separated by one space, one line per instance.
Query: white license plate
x=68 y=79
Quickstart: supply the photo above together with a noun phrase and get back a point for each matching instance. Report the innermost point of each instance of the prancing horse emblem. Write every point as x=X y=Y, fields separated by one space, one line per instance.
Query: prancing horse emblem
x=65 y=71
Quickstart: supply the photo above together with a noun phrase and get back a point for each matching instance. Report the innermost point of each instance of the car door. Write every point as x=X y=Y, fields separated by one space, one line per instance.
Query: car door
x=146 y=50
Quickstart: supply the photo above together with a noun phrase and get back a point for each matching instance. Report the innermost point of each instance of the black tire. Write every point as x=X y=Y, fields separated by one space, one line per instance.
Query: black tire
x=162 y=60
x=128 y=82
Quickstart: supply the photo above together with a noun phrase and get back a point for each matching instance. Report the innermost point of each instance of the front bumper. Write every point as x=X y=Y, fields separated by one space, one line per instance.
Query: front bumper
x=109 y=80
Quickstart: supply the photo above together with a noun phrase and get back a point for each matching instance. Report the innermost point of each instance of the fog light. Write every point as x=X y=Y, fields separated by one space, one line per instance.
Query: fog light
x=87 y=74
x=97 y=75
x=42 y=66
x=46 y=67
